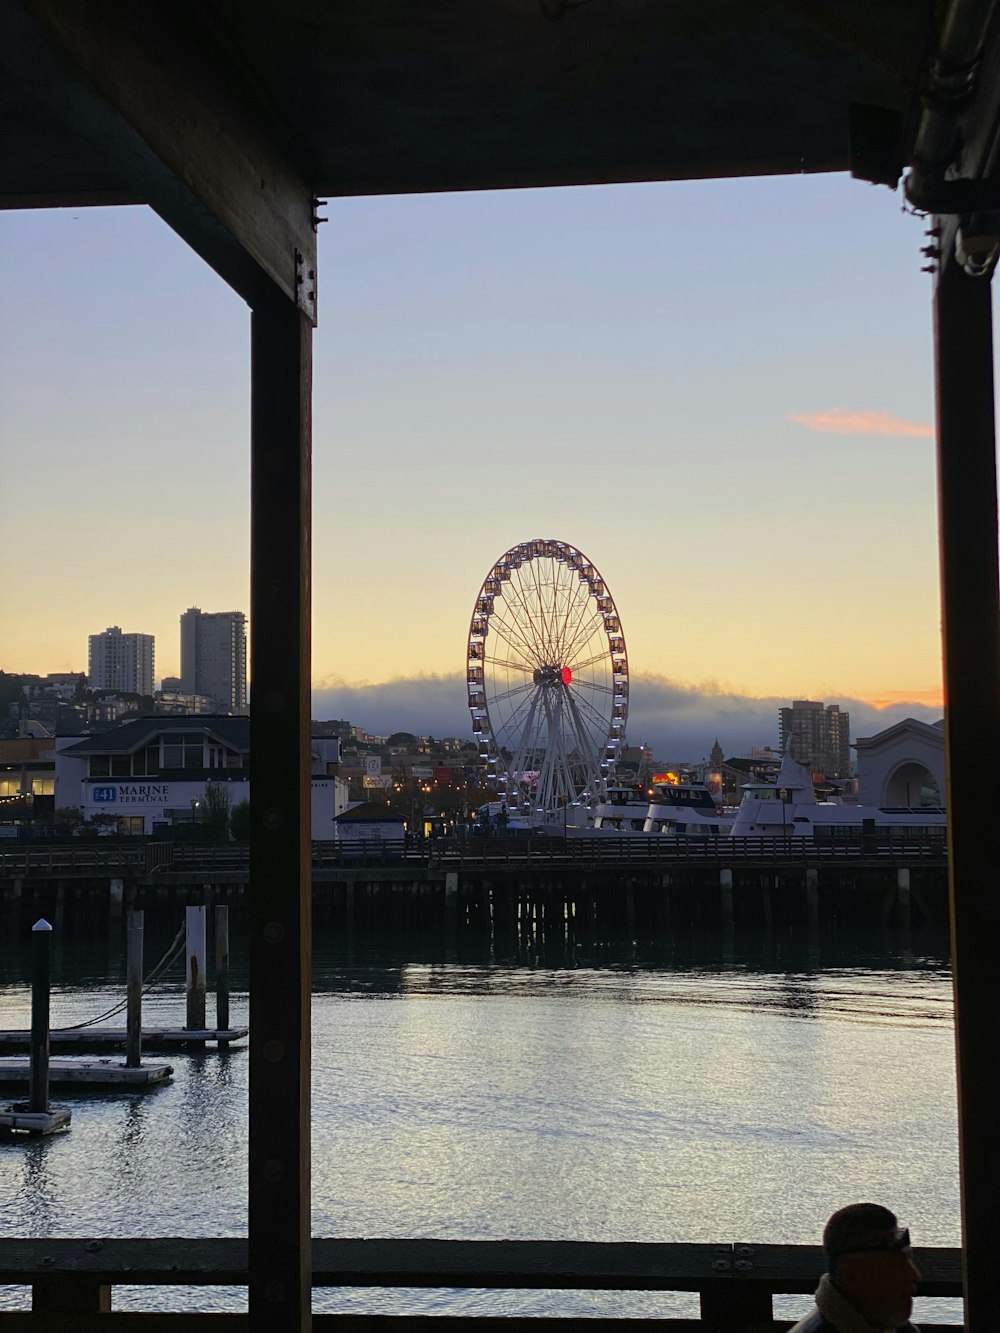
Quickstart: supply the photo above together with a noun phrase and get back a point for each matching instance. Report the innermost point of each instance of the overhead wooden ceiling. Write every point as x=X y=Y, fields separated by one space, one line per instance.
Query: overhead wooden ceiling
x=395 y=96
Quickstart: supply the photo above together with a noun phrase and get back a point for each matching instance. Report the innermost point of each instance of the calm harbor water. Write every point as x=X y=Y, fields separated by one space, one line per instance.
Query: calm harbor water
x=633 y=1094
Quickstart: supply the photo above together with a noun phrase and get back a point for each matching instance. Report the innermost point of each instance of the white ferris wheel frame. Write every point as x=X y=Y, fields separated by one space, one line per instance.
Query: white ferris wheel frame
x=561 y=729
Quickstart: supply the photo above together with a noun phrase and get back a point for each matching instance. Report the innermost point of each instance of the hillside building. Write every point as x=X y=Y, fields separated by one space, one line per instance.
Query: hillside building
x=214 y=657
x=819 y=735
x=117 y=661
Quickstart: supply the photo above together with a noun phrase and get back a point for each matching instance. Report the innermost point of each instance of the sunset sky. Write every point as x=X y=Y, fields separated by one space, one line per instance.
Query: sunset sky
x=721 y=392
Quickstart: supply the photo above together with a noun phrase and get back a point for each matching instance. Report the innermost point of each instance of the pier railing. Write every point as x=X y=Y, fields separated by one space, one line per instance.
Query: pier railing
x=142 y=859
x=71 y=1281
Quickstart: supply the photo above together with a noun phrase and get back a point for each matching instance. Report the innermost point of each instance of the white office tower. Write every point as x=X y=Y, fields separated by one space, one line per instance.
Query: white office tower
x=214 y=657
x=117 y=661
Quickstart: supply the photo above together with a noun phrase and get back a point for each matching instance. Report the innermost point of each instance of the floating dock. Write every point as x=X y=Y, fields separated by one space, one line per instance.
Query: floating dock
x=15 y=1118
x=83 y=1039
x=87 y=1073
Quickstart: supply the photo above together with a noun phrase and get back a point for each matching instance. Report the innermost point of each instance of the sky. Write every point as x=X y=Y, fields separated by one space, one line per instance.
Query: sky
x=721 y=392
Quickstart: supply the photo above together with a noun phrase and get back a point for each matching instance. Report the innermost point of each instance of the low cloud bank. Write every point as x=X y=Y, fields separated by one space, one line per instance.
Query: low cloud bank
x=679 y=721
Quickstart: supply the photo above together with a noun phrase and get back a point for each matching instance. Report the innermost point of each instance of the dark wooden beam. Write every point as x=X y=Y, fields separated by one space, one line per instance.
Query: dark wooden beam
x=280 y=836
x=155 y=101
x=970 y=612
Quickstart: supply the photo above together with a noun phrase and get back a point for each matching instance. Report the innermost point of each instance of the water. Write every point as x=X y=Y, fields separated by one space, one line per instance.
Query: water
x=658 y=1096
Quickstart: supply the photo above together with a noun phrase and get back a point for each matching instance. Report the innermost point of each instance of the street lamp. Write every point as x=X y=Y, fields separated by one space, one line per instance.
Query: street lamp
x=29 y=801
x=194 y=811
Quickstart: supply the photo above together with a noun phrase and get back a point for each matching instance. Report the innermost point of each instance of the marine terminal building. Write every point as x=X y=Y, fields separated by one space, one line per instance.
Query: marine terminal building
x=153 y=774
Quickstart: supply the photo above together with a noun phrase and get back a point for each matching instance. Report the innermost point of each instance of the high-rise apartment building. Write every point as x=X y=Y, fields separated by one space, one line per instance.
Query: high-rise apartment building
x=214 y=657
x=819 y=735
x=117 y=661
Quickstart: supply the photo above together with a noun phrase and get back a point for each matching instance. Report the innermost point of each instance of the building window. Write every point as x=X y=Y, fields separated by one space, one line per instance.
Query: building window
x=100 y=766
x=186 y=750
x=121 y=766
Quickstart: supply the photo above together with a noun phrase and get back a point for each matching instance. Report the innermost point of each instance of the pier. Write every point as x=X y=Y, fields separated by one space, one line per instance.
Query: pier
x=647 y=885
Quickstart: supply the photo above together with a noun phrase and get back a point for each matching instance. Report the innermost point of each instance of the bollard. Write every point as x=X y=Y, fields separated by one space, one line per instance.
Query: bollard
x=133 y=990
x=41 y=979
x=194 y=983
x=222 y=971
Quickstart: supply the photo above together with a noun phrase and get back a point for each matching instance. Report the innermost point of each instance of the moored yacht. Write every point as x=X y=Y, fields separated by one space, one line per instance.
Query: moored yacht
x=788 y=808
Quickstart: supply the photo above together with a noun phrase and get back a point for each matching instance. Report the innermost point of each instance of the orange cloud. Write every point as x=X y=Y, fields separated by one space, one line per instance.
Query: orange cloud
x=890 y=698
x=838 y=421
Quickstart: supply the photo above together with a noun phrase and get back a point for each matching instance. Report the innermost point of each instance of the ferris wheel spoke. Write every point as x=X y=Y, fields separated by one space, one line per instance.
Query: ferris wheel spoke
x=514 y=638
x=582 y=630
x=506 y=662
x=509 y=694
x=577 y=667
x=594 y=714
x=520 y=631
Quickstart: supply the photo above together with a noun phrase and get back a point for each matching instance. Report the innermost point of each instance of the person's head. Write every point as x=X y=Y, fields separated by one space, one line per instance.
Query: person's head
x=869 y=1260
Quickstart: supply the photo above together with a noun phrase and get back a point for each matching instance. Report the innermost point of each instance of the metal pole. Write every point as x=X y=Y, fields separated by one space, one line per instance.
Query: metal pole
x=133 y=985
x=41 y=981
x=970 y=613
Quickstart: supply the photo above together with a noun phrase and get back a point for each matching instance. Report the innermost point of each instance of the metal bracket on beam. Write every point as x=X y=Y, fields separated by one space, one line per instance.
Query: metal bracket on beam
x=305 y=285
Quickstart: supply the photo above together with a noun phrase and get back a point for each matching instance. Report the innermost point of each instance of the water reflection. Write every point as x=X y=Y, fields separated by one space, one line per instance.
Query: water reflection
x=582 y=1088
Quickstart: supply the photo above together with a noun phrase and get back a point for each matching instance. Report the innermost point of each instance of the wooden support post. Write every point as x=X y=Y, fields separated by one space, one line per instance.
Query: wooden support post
x=117 y=896
x=222 y=971
x=70 y=1294
x=196 y=956
x=727 y=1307
x=970 y=614
x=41 y=981
x=726 y=899
x=812 y=899
x=280 y=915
x=133 y=991
x=903 y=896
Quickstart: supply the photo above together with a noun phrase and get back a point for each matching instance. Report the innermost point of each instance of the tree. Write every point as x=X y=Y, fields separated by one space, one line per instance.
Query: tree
x=218 y=808
x=239 y=821
x=67 y=821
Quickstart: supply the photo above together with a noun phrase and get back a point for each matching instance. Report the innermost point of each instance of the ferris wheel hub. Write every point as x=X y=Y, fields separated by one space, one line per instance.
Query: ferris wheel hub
x=552 y=675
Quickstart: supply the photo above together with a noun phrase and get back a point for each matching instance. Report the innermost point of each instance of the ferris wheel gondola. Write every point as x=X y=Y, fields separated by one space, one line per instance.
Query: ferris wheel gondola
x=547 y=675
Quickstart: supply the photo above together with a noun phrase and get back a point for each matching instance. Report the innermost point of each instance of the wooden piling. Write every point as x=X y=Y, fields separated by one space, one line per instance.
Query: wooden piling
x=196 y=952
x=133 y=983
x=41 y=980
x=222 y=972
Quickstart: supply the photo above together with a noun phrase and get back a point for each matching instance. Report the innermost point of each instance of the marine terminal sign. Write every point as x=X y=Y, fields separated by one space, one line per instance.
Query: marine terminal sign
x=131 y=793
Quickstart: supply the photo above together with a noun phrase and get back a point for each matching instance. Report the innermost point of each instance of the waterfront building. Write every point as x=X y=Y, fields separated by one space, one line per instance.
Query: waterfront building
x=819 y=735
x=902 y=766
x=117 y=661
x=153 y=774
x=214 y=657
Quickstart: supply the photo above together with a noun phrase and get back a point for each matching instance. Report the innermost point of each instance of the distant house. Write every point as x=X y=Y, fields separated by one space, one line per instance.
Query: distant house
x=369 y=823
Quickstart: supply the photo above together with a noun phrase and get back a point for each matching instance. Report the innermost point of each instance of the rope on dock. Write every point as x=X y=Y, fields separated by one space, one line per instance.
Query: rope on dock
x=166 y=962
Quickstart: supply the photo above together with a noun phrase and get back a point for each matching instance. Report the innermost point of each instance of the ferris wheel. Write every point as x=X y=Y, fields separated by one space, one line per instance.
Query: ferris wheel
x=547 y=676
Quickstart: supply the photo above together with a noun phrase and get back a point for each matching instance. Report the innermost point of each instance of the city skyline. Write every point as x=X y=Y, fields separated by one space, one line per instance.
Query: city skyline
x=719 y=391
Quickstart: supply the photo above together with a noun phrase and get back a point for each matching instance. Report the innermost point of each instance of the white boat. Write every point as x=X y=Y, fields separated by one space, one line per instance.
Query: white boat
x=788 y=808
x=670 y=810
